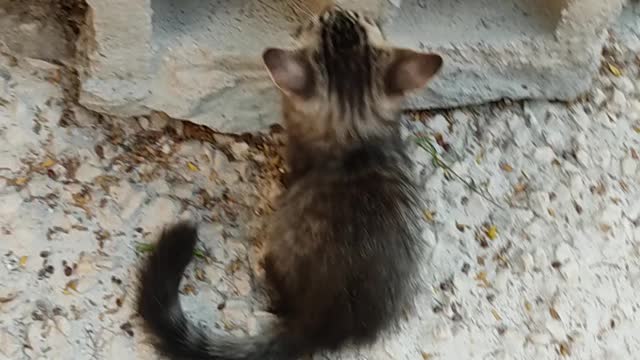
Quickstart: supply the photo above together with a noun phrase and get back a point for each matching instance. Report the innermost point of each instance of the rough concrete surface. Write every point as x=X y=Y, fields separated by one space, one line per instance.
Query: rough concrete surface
x=203 y=63
x=534 y=231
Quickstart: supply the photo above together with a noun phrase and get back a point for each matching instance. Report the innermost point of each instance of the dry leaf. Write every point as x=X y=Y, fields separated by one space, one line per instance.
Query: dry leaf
x=528 y=306
x=519 y=188
x=8 y=298
x=495 y=314
x=506 y=167
x=605 y=228
x=491 y=232
x=71 y=285
x=636 y=129
x=482 y=277
x=23 y=260
x=426 y=356
x=48 y=163
x=615 y=71
x=192 y=166
x=20 y=181
x=634 y=154
x=564 y=349
x=81 y=198
x=429 y=215
x=554 y=313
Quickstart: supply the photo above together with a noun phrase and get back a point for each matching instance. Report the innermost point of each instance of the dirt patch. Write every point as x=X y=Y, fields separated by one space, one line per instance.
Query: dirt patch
x=41 y=29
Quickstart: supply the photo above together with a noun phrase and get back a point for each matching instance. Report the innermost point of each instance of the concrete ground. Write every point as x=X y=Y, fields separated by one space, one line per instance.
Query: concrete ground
x=534 y=231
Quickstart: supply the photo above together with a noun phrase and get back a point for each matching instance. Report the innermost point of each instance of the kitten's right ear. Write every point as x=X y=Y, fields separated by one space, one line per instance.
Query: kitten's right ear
x=410 y=70
x=289 y=71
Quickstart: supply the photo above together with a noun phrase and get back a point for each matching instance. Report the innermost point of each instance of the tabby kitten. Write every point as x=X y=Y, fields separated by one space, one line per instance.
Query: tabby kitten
x=344 y=246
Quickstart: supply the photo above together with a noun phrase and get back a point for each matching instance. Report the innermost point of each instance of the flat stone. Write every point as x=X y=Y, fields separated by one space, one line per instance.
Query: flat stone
x=10 y=204
x=629 y=166
x=86 y=173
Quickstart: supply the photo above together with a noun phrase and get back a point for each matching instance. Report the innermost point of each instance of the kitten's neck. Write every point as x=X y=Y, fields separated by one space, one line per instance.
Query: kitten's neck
x=303 y=157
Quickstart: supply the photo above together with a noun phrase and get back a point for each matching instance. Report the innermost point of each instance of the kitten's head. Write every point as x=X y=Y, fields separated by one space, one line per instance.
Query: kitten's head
x=343 y=83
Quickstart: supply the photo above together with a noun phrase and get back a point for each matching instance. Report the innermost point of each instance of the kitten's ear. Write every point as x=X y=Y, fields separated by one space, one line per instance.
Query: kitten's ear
x=289 y=71
x=410 y=70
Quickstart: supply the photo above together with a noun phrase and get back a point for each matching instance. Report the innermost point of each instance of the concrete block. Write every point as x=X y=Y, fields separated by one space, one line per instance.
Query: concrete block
x=497 y=49
x=199 y=60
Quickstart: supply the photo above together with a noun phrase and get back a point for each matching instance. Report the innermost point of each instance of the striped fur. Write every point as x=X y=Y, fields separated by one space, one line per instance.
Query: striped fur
x=344 y=245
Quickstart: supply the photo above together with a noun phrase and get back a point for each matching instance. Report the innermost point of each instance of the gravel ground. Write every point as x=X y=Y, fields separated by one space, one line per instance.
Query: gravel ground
x=534 y=223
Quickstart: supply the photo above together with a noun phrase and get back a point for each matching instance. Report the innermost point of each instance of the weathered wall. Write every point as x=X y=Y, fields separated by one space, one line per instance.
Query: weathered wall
x=200 y=59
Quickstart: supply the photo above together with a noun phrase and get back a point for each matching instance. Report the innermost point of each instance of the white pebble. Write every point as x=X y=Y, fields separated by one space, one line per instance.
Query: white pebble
x=158 y=121
x=143 y=122
x=439 y=124
x=570 y=271
x=539 y=203
x=9 y=344
x=442 y=332
x=563 y=252
x=583 y=158
x=633 y=112
x=540 y=338
x=540 y=257
x=4 y=88
x=618 y=101
x=86 y=173
x=629 y=166
x=624 y=84
x=524 y=262
x=599 y=97
x=610 y=215
x=239 y=149
x=544 y=155
x=556 y=330
x=10 y=204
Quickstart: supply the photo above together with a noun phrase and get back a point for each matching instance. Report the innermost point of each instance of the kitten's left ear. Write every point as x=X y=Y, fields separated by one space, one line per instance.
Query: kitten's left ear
x=410 y=70
x=289 y=71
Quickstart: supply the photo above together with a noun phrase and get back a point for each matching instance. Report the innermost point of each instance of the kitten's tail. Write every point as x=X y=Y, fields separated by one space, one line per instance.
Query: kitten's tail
x=159 y=306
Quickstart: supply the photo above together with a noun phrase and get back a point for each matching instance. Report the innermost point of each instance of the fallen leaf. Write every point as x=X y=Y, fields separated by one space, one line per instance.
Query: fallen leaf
x=528 y=306
x=491 y=232
x=8 y=298
x=192 y=166
x=23 y=260
x=636 y=129
x=506 y=167
x=426 y=356
x=20 y=181
x=71 y=285
x=429 y=215
x=605 y=228
x=564 y=349
x=81 y=198
x=200 y=274
x=48 y=163
x=189 y=289
x=495 y=314
x=554 y=313
x=615 y=71
x=634 y=154
x=519 y=188
x=482 y=277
